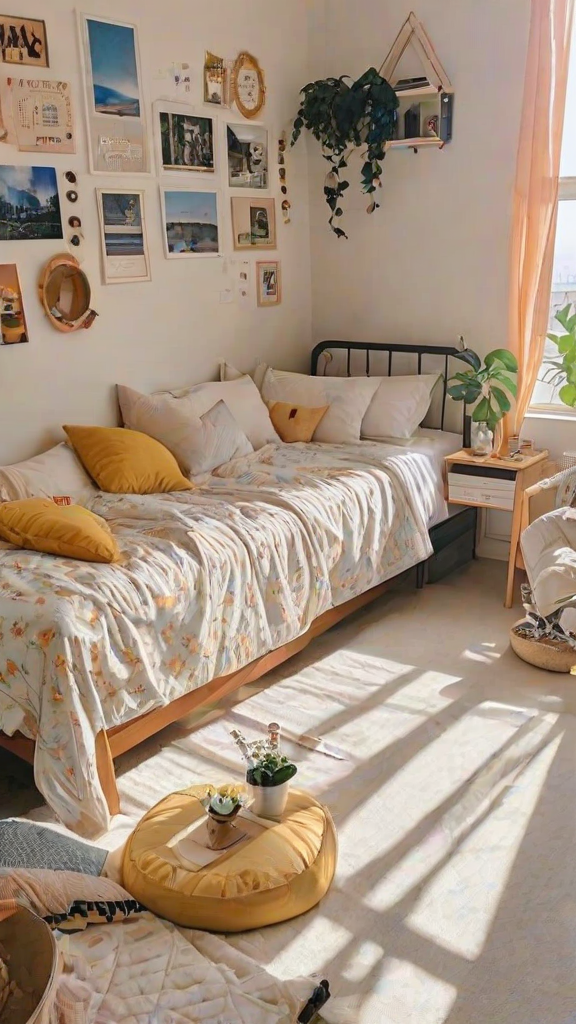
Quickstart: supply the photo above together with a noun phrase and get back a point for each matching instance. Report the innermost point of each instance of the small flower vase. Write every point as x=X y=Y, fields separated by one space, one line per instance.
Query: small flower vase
x=482 y=439
x=269 y=801
x=222 y=832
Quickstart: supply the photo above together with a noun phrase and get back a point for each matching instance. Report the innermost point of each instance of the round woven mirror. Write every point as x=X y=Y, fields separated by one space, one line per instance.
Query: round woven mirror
x=65 y=294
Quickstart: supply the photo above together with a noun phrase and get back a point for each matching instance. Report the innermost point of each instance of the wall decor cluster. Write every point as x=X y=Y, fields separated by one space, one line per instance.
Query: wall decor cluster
x=23 y=40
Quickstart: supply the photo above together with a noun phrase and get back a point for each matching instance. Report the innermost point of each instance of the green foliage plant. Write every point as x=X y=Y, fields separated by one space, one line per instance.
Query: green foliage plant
x=561 y=370
x=489 y=386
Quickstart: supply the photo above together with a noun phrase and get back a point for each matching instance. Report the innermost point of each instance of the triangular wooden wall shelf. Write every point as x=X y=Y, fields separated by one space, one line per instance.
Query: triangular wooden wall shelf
x=438 y=90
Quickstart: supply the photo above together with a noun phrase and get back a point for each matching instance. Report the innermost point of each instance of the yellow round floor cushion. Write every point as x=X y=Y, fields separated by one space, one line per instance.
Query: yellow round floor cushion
x=125 y=461
x=281 y=871
x=70 y=530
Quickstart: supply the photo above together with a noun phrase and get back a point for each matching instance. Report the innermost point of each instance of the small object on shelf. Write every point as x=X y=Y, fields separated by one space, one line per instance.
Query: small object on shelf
x=214 y=79
x=482 y=439
x=412 y=122
x=405 y=84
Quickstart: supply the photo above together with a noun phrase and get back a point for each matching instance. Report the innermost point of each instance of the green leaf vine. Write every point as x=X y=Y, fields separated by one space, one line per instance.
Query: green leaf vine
x=342 y=117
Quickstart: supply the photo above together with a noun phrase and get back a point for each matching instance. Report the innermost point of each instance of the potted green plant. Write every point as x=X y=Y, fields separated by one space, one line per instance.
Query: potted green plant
x=223 y=805
x=487 y=386
x=12 y=329
x=268 y=774
x=560 y=369
x=342 y=117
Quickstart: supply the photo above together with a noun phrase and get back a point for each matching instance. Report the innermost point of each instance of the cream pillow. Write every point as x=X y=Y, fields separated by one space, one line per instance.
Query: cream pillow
x=399 y=406
x=347 y=397
x=199 y=443
x=57 y=473
x=244 y=402
x=229 y=372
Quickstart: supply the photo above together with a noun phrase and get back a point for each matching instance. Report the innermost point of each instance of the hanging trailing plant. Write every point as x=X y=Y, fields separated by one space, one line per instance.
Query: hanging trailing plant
x=342 y=117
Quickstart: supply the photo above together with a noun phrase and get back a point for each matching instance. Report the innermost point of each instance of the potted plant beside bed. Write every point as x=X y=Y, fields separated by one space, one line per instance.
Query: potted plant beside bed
x=268 y=774
x=489 y=387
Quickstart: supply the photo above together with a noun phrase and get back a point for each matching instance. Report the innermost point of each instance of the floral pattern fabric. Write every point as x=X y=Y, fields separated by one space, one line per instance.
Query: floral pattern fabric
x=208 y=581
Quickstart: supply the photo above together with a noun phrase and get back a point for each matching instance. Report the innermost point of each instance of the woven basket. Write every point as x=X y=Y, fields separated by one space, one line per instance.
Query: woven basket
x=551 y=655
x=33 y=962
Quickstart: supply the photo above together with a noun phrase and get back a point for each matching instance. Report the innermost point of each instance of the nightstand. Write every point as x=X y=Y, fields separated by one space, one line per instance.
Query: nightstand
x=489 y=482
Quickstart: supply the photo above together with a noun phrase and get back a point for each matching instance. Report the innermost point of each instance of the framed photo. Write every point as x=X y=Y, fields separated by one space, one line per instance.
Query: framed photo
x=13 y=330
x=123 y=235
x=247 y=86
x=117 y=136
x=215 y=83
x=253 y=223
x=23 y=41
x=42 y=114
x=191 y=222
x=29 y=203
x=247 y=149
x=185 y=139
x=268 y=283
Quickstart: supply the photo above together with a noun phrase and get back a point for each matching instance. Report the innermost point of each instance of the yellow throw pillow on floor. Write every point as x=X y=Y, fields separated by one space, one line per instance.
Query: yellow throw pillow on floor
x=125 y=461
x=70 y=530
x=295 y=422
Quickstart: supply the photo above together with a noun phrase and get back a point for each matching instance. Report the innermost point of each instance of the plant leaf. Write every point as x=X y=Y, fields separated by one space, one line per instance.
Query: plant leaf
x=504 y=356
x=467 y=355
x=567 y=395
x=501 y=398
x=482 y=411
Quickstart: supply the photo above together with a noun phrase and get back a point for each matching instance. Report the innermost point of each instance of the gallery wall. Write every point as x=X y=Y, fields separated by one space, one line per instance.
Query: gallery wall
x=172 y=330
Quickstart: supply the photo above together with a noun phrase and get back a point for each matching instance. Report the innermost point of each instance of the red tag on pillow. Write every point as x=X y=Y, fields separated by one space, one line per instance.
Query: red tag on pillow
x=61 y=499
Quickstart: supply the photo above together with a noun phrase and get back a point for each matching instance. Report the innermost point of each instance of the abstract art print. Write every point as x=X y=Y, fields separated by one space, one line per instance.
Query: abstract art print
x=253 y=223
x=29 y=203
x=123 y=229
x=247 y=146
x=269 y=290
x=191 y=223
x=13 y=329
x=186 y=140
x=114 y=104
x=23 y=41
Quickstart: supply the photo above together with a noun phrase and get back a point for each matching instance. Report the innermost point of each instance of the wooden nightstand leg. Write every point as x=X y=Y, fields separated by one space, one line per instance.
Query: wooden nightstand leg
x=511 y=582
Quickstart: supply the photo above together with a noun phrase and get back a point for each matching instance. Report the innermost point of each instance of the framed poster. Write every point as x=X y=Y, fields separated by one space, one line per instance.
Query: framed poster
x=115 y=109
x=29 y=203
x=247 y=152
x=23 y=41
x=214 y=80
x=253 y=222
x=191 y=223
x=268 y=284
x=123 y=235
x=42 y=115
x=185 y=140
x=13 y=330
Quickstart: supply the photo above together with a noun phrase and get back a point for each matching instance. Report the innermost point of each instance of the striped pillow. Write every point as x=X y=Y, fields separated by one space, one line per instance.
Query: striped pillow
x=66 y=900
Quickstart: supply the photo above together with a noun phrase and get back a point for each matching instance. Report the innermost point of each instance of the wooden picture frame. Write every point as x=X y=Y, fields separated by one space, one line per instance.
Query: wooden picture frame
x=24 y=34
x=253 y=223
x=123 y=237
x=247 y=85
x=268 y=283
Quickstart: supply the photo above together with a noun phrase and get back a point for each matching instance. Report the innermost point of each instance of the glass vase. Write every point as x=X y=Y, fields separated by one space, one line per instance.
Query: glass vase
x=482 y=439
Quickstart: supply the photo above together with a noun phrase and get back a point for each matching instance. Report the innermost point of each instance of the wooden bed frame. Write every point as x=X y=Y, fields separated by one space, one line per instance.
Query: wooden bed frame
x=116 y=741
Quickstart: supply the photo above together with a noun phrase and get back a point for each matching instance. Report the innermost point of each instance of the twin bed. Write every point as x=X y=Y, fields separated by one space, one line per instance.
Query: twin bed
x=215 y=587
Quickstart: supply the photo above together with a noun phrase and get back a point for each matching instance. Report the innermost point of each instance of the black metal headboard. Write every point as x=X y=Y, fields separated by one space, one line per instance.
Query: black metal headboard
x=368 y=347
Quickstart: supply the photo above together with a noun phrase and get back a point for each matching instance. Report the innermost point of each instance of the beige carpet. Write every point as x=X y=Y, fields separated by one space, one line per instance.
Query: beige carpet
x=450 y=768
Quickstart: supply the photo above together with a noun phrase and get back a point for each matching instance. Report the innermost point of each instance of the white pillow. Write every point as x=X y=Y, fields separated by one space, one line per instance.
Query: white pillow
x=229 y=372
x=244 y=402
x=199 y=443
x=57 y=473
x=399 y=406
x=348 y=398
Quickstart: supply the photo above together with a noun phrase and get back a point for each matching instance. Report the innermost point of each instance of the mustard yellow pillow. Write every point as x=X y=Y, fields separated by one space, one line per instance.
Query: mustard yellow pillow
x=295 y=422
x=70 y=530
x=125 y=461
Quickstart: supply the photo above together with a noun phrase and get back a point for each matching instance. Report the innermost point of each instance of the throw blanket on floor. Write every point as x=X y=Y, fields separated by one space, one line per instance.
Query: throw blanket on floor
x=209 y=580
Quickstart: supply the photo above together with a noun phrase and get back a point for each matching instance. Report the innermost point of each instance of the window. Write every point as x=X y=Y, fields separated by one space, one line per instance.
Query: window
x=564 y=274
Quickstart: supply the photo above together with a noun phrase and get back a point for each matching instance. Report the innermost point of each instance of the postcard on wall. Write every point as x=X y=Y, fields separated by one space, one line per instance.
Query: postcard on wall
x=123 y=234
x=269 y=290
x=253 y=223
x=23 y=40
x=13 y=330
x=29 y=203
x=247 y=146
x=191 y=222
x=42 y=115
x=114 y=104
x=186 y=140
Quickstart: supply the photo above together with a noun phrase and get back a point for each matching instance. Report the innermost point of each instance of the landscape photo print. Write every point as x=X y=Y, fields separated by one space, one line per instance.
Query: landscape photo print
x=29 y=203
x=124 y=248
x=190 y=222
x=114 y=67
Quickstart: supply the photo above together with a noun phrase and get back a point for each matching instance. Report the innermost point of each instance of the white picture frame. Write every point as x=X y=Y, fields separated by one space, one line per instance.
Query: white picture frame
x=122 y=229
x=239 y=174
x=183 y=206
x=179 y=170
x=116 y=122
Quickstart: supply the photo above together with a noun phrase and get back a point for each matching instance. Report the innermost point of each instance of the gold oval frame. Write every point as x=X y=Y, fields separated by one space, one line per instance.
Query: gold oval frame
x=86 y=319
x=246 y=60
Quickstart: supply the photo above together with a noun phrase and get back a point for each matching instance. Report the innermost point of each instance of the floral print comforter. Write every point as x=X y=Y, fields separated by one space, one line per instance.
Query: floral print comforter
x=208 y=581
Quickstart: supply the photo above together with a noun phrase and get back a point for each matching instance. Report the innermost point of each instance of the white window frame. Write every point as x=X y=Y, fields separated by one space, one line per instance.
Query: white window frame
x=555 y=410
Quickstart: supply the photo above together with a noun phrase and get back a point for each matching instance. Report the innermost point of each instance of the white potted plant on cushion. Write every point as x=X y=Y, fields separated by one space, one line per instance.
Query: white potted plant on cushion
x=268 y=774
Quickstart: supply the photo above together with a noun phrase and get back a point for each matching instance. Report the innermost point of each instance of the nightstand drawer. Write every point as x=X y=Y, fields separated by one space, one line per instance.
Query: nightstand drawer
x=483 y=490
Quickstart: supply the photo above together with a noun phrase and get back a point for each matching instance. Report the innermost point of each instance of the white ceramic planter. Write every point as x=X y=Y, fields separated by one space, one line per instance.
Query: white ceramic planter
x=269 y=801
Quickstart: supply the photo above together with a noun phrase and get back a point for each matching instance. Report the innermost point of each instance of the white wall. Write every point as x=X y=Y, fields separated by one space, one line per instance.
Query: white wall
x=172 y=330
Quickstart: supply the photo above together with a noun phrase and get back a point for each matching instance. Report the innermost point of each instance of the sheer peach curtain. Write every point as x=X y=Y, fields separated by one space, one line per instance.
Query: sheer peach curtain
x=536 y=191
